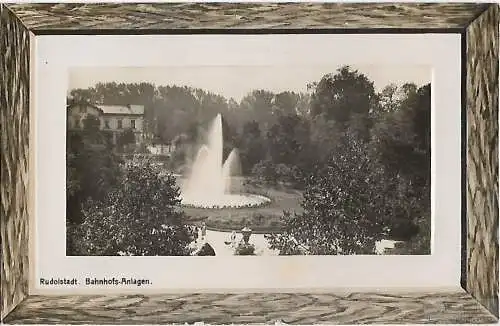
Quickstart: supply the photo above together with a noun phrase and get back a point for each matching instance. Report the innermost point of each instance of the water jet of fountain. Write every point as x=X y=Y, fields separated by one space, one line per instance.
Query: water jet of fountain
x=231 y=173
x=211 y=183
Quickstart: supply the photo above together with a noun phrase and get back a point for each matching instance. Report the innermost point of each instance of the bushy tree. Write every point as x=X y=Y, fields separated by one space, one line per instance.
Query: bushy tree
x=338 y=96
x=344 y=205
x=325 y=135
x=287 y=138
x=285 y=103
x=258 y=105
x=251 y=145
x=402 y=137
x=265 y=172
x=284 y=172
x=92 y=168
x=389 y=99
x=401 y=143
x=141 y=217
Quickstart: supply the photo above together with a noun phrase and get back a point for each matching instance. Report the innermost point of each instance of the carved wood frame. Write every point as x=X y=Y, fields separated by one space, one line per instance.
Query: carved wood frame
x=474 y=301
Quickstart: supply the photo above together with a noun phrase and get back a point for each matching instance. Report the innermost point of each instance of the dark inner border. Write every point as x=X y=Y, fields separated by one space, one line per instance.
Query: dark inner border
x=463 y=157
x=243 y=31
x=282 y=31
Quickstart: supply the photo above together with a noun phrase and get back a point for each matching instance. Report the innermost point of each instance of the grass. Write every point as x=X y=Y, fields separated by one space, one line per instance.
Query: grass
x=263 y=219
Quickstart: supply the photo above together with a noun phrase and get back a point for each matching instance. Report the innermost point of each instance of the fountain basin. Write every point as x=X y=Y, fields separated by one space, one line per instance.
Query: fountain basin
x=204 y=200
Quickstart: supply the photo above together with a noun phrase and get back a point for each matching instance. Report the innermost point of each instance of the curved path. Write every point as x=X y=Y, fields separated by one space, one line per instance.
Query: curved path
x=217 y=240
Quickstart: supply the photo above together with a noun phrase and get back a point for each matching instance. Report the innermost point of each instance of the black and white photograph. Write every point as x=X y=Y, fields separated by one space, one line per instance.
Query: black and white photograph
x=249 y=160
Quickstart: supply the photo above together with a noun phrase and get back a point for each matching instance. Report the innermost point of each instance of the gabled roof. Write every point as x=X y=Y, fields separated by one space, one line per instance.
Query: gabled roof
x=121 y=109
x=112 y=109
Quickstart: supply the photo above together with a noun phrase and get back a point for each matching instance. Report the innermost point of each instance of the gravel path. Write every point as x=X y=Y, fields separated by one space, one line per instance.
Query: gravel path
x=217 y=240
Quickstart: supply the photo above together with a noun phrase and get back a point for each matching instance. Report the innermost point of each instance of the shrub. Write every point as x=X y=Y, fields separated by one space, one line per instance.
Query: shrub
x=265 y=172
x=245 y=249
x=206 y=250
x=140 y=217
x=420 y=244
x=344 y=206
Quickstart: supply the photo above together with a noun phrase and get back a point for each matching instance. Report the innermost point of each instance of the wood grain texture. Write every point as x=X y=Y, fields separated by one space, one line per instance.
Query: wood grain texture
x=245 y=15
x=482 y=158
x=14 y=126
x=328 y=308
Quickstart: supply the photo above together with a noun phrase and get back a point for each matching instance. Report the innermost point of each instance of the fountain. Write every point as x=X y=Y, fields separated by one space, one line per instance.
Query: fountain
x=212 y=183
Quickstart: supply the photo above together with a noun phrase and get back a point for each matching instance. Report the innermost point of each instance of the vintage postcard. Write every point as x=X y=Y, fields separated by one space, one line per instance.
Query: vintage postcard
x=229 y=162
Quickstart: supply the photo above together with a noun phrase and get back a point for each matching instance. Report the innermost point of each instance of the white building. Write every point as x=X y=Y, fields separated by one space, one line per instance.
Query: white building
x=113 y=118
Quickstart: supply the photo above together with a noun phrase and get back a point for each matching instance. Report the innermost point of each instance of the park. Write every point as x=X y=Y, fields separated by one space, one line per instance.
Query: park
x=340 y=169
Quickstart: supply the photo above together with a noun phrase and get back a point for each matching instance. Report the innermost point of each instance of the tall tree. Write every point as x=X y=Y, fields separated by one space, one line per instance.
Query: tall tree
x=402 y=138
x=258 y=105
x=401 y=143
x=339 y=96
x=285 y=103
x=92 y=168
x=251 y=146
x=287 y=139
x=388 y=98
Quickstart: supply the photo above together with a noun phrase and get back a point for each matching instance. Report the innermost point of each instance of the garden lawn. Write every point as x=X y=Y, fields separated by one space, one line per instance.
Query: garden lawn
x=264 y=219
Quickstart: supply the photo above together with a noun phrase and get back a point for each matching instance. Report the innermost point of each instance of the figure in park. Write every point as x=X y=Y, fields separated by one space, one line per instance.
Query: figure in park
x=233 y=238
x=203 y=231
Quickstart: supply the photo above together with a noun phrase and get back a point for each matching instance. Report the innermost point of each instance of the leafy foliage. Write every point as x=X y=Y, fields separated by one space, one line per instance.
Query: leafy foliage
x=92 y=169
x=206 y=250
x=343 y=94
x=420 y=244
x=374 y=179
x=344 y=205
x=265 y=172
x=287 y=139
x=141 y=217
x=252 y=146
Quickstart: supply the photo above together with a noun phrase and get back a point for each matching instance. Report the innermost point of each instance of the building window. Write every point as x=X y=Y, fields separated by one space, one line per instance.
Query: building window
x=120 y=124
x=132 y=124
x=106 y=123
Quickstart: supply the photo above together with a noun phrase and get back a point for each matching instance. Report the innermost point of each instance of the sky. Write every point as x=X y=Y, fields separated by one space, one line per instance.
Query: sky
x=237 y=81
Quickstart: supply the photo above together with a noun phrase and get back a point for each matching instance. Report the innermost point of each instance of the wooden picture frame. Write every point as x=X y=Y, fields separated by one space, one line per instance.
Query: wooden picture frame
x=475 y=300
